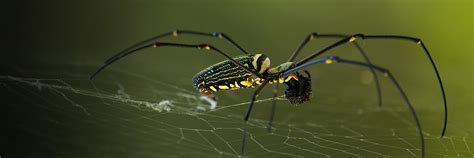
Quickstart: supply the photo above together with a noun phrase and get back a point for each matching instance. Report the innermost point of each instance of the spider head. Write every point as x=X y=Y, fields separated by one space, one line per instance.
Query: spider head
x=298 y=90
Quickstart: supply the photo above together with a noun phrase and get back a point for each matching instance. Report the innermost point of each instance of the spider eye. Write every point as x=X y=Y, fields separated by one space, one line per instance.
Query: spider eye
x=298 y=91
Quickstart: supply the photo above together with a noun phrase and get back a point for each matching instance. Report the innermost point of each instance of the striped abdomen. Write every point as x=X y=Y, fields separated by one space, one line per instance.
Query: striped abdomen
x=226 y=75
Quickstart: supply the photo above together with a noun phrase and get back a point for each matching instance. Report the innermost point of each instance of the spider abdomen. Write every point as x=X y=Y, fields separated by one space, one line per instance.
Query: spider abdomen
x=227 y=75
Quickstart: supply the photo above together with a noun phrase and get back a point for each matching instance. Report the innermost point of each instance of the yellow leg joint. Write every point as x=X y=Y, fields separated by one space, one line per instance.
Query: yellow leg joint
x=328 y=61
x=352 y=39
x=311 y=37
x=174 y=33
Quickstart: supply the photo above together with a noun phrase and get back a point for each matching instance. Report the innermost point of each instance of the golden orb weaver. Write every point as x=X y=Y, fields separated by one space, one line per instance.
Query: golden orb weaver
x=252 y=70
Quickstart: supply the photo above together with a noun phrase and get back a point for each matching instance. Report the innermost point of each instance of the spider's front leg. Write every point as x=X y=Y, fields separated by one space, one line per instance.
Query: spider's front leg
x=176 y=33
x=352 y=39
x=345 y=39
x=179 y=45
x=152 y=42
x=334 y=59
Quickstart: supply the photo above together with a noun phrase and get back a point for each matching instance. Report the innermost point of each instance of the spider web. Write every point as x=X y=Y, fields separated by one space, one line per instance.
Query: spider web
x=71 y=116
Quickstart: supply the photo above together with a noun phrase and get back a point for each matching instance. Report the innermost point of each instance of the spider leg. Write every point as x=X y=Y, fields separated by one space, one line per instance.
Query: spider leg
x=311 y=36
x=272 y=113
x=335 y=59
x=175 y=34
x=247 y=115
x=376 y=79
x=161 y=44
x=352 y=38
x=419 y=42
x=303 y=44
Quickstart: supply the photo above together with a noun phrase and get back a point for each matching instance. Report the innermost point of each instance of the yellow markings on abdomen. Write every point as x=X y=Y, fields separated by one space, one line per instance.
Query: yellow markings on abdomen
x=236 y=84
x=213 y=88
x=258 y=81
x=223 y=87
x=250 y=83
x=246 y=83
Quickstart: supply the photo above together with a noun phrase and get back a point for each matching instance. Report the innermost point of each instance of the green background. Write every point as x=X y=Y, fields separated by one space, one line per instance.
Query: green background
x=63 y=42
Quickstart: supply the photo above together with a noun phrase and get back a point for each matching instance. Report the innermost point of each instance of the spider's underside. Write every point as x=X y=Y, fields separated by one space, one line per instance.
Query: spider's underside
x=253 y=70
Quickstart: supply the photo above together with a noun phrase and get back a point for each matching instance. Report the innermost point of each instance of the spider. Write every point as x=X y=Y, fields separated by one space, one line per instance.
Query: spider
x=253 y=70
